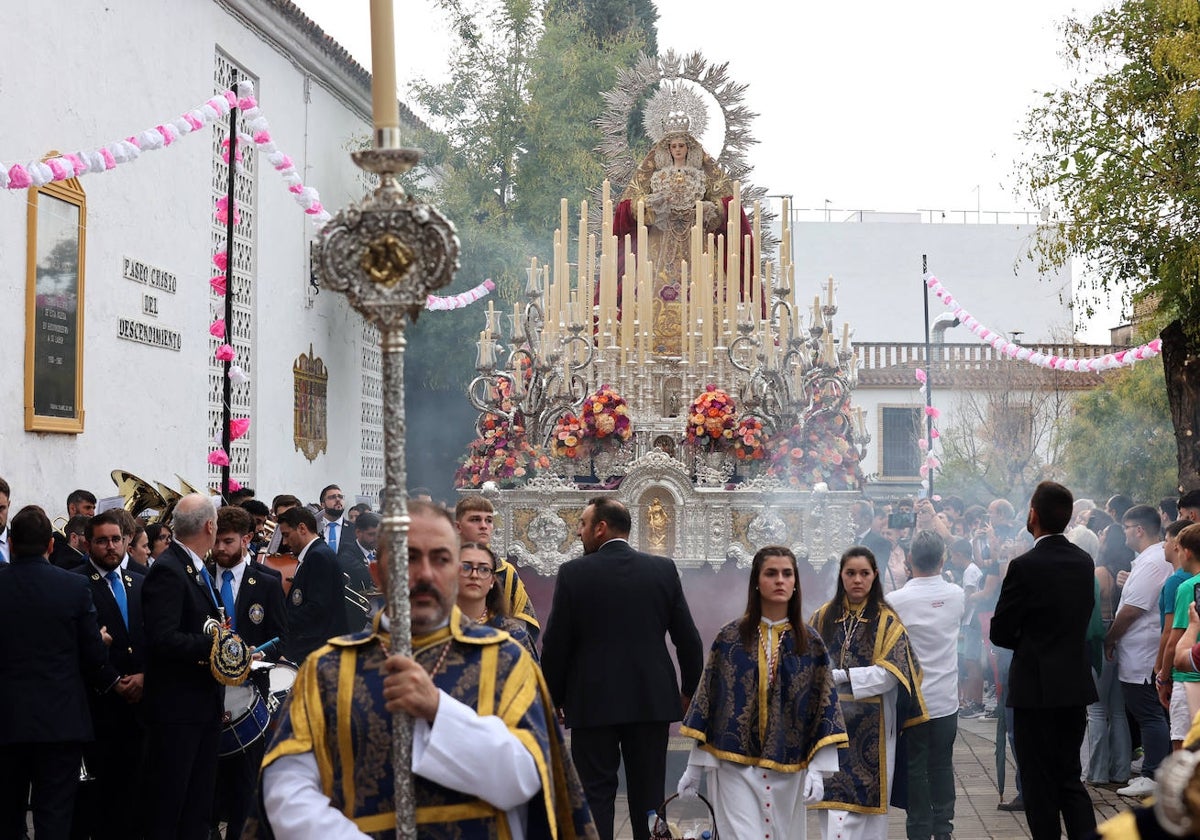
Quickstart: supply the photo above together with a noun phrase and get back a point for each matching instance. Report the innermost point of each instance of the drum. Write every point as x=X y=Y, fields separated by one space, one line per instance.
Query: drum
x=281 y=678
x=246 y=718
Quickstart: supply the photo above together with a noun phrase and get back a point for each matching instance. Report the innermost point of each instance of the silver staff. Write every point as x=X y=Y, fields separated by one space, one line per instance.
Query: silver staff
x=387 y=253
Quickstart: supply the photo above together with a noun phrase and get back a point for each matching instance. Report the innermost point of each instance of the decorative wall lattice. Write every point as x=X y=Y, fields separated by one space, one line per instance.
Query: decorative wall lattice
x=241 y=287
x=372 y=413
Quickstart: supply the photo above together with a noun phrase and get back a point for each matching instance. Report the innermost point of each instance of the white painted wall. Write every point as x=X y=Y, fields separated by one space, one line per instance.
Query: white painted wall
x=79 y=75
x=876 y=266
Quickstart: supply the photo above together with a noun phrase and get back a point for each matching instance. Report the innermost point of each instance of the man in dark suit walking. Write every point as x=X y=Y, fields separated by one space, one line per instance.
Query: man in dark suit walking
x=51 y=652
x=184 y=702
x=315 y=605
x=253 y=599
x=1042 y=616
x=114 y=759
x=605 y=658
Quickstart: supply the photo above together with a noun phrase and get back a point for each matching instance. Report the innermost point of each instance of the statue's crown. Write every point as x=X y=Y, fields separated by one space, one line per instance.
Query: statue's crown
x=676 y=122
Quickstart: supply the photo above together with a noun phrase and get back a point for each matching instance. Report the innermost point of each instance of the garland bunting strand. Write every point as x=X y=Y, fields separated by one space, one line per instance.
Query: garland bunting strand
x=1109 y=361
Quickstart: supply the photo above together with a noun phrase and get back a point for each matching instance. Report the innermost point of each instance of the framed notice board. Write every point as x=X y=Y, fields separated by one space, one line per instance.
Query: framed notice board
x=57 y=221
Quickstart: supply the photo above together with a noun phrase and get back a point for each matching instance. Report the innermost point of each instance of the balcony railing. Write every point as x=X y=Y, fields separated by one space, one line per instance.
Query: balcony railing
x=883 y=355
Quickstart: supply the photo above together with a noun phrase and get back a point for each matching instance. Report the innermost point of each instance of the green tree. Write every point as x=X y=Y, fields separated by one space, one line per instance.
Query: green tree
x=572 y=67
x=1114 y=160
x=1120 y=439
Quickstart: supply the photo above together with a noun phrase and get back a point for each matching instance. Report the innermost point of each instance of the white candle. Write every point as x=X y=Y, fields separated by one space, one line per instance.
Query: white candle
x=385 y=107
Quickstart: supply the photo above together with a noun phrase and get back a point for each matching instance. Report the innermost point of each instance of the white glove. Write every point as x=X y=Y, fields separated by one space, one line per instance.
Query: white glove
x=689 y=782
x=840 y=676
x=814 y=787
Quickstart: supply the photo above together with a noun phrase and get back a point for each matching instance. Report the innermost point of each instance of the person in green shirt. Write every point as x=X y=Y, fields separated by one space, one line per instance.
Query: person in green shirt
x=1181 y=690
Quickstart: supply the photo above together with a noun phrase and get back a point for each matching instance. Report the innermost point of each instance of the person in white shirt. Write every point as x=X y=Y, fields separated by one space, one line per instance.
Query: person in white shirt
x=932 y=611
x=1133 y=639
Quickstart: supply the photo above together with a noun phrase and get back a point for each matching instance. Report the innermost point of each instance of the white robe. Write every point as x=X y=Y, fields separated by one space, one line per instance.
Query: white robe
x=871 y=681
x=754 y=802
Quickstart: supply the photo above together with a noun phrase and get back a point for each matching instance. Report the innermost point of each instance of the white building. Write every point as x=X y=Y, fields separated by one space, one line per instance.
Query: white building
x=876 y=259
x=79 y=76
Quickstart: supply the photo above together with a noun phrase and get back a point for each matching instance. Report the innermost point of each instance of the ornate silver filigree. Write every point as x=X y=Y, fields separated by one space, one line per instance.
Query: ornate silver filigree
x=387 y=254
x=767 y=529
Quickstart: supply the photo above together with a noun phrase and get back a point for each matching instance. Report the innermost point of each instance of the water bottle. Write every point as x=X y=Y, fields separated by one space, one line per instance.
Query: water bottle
x=706 y=835
x=652 y=820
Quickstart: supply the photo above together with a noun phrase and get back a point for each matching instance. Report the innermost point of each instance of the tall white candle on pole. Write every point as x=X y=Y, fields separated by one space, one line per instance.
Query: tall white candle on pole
x=385 y=107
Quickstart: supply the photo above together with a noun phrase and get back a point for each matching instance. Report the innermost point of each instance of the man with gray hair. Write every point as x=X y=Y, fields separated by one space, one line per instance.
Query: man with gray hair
x=932 y=609
x=183 y=702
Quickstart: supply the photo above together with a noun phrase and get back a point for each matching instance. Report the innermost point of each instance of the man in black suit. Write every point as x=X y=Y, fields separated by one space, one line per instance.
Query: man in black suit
x=355 y=557
x=869 y=528
x=315 y=605
x=115 y=757
x=253 y=599
x=183 y=701
x=71 y=546
x=606 y=662
x=1045 y=605
x=51 y=651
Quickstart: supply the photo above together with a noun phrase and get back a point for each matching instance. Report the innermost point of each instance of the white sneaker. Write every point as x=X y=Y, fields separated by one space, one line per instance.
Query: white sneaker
x=1135 y=767
x=1141 y=786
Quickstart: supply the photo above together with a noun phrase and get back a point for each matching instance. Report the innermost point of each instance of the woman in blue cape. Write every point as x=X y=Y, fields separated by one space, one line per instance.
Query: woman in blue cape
x=765 y=716
x=879 y=689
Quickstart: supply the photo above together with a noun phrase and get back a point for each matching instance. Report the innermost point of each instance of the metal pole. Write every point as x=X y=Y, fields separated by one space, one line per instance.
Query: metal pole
x=928 y=373
x=387 y=253
x=230 y=190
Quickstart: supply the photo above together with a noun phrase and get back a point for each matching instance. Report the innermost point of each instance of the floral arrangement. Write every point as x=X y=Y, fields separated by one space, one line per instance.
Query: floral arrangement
x=502 y=455
x=749 y=440
x=712 y=419
x=816 y=452
x=602 y=421
x=568 y=438
x=606 y=416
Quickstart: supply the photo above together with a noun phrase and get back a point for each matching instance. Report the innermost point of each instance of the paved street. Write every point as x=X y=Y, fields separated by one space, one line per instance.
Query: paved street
x=976 y=817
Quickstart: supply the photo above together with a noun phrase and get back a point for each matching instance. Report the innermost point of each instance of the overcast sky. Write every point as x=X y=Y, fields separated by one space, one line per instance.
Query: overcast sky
x=874 y=105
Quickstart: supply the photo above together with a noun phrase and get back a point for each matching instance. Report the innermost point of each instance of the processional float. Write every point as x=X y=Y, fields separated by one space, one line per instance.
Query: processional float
x=699 y=390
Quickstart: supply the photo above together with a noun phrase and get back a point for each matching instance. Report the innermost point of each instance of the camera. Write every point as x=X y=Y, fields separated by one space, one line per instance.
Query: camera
x=902 y=520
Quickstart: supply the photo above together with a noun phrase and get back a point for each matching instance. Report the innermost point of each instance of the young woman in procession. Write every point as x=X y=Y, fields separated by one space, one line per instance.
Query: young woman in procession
x=878 y=682
x=765 y=716
x=480 y=598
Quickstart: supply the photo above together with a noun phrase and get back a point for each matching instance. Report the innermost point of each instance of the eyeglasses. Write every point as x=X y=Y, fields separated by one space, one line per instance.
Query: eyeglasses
x=467 y=570
x=333 y=496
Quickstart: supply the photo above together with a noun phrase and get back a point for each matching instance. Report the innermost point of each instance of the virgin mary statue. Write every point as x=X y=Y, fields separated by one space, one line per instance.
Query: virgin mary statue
x=673 y=176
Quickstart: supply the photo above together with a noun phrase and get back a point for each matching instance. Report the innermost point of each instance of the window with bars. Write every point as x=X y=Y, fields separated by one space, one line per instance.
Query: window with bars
x=901 y=429
x=372 y=413
x=240 y=284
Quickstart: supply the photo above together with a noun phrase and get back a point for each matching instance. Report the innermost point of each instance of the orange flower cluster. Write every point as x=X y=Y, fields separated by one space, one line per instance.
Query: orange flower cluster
x=603 y=419
x=712 y=419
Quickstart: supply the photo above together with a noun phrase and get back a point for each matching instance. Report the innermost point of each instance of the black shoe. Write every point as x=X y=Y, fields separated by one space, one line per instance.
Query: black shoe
x=943 y=837
x=1017 y=804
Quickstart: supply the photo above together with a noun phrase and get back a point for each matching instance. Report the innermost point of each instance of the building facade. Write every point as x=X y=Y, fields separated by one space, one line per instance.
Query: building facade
x=132 y=382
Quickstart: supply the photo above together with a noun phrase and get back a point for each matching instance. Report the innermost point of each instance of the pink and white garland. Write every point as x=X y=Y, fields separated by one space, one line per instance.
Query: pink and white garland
x=934 y=414
x=434 y=303
x=110 y=156
x=1108 y=361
